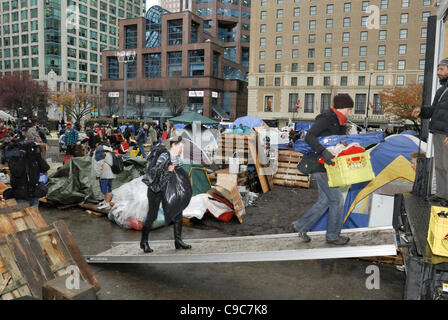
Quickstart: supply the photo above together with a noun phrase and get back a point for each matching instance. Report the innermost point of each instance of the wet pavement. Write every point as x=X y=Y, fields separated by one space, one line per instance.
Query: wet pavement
x=338 y=279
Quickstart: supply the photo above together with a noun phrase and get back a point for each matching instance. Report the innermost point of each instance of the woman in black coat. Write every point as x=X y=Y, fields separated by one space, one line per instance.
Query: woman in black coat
x=157 y=178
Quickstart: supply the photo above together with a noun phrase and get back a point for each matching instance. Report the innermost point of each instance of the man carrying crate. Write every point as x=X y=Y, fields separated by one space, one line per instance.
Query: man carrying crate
x=328 y=123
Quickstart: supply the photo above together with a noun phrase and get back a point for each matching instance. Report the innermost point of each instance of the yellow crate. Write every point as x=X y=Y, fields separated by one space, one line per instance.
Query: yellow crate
x=350 y=169
x=438 y=232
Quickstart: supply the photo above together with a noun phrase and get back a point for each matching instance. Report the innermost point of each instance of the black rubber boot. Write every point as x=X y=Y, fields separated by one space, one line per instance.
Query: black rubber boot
x=144 y=241
x=178 y=243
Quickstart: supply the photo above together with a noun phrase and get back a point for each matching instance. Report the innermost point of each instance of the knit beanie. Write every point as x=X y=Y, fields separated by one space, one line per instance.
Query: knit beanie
x=342 y=101
x=444 y=62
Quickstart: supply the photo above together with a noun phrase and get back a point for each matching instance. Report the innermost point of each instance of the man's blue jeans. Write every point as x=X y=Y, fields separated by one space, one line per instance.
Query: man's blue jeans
x=32 y=202
x=329 y=198
x=141 y=150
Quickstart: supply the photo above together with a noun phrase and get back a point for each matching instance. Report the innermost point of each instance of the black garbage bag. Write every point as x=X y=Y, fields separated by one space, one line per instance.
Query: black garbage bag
x=177 y=193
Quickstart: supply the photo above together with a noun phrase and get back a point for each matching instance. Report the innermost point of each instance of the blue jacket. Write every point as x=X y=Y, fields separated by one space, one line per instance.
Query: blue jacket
x=142 y=136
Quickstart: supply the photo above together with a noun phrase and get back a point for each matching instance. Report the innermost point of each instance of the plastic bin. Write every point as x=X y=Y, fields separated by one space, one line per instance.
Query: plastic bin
x=350 y=169
x=438 y=232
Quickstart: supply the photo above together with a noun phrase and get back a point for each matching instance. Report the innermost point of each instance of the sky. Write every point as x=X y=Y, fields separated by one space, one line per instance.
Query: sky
x=150 y=3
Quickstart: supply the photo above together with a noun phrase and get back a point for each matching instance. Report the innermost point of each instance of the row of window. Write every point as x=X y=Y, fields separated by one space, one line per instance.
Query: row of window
x=379 y=81
x=328 y=52
x=401 y=65
x=345 y=37
x=82 y=9
x=325 y=103
x=224 y=12
x=347 y=22
x=348 y=5
x=14 y=4
x=244 y=3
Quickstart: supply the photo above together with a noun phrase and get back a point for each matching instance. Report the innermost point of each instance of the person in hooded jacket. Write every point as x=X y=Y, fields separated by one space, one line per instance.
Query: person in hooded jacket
x=165 y=162
x=438 y=126
x=102 y=163
x=330 y=122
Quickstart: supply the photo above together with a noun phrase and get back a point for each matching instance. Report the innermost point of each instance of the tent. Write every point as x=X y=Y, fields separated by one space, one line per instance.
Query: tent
x=192 y=152
x=74 y=182
x=208 y=141
x=5 y=116
x=249 y=121
x=391 y=164
x=200 y=181
x=193 y=117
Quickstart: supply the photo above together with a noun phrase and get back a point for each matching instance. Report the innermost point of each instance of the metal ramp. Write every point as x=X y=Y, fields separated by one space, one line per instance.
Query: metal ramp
x=364 y=242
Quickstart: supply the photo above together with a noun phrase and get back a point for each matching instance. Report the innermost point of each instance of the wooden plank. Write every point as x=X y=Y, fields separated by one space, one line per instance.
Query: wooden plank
x=13 y=208
x=7 y=225
x=28 y=218
x=289 y=159
x=37 y=217
x=262 y=178
x=23 y=264
x=291 y=177
x=71 y=246
x=287 y=165
x=292 y=183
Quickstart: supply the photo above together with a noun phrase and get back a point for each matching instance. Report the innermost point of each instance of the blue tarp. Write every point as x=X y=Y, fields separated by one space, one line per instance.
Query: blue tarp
x=249 y=121
x=380 y=157
x=305 y=126
x=364 y=139
x=122 y=128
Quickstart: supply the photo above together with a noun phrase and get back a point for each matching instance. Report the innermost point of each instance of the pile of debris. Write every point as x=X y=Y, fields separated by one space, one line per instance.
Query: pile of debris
x=40 y=261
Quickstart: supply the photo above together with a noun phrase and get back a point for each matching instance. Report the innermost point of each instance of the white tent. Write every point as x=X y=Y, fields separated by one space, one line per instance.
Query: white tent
x=4 y=116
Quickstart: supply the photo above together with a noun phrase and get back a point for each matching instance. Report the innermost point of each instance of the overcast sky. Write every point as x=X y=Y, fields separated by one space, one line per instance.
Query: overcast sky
x=150 y=3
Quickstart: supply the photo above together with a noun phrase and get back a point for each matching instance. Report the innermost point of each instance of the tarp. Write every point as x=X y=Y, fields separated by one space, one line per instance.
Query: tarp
x=390 y=163
x=249 y=121
x=364 y=139
x=122 y=128
x=74 y=182
x=193 y=117
x=200 y=181
x=5 y=116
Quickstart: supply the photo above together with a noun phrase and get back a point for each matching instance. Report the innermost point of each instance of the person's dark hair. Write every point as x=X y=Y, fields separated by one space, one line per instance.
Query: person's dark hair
x=342 y=101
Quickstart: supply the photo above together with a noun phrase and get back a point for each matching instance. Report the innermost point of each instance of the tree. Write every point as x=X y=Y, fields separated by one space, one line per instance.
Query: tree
x=19 y=90
x=77 y=103
x=173 y=97
x=398 y=102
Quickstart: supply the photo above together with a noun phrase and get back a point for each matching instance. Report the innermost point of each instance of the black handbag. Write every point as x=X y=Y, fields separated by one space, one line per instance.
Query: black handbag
x=309 y=164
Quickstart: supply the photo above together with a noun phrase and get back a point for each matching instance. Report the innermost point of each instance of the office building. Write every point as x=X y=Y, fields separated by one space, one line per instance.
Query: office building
x=305 y=52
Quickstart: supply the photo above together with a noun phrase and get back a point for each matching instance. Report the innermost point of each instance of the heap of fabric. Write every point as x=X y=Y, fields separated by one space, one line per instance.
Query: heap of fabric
x=341 y=150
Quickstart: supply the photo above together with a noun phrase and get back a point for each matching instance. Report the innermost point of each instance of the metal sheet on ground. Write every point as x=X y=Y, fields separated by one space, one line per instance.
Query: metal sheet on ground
x=364 y=242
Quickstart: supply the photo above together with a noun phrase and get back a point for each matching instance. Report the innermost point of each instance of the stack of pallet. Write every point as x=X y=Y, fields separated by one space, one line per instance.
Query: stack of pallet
x=287 y=173
x=35 y=258
x=235 y=146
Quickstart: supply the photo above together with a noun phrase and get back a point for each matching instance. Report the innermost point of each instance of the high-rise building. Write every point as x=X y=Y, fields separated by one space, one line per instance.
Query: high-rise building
x=171 y=5
x=60 y=41
x=202 y=54
x=305 y=52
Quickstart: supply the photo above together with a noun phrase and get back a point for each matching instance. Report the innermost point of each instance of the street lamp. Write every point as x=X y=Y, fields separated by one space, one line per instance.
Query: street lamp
x=366 y=121
x=125 y=56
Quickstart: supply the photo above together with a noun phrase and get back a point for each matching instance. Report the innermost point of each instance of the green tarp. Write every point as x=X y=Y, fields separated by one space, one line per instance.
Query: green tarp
x=198 y=176
x=74 y=183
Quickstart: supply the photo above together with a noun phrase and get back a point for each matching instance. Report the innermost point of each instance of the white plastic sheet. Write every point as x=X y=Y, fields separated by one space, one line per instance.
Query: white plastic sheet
x=131 y=206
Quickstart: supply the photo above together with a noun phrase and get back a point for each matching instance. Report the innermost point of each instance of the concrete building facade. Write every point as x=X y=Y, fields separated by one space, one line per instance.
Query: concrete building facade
x=305 y=52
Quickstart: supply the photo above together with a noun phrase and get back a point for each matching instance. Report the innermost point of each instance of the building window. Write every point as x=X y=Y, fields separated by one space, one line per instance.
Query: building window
x=131 y=37
x=382 y=35
x=310 y=81
x=261 y=68
x=309 y=103
x=262 y=55
x=361 y=81
x=292 y=103
x=311 y=38
x=363 y=51
x=380 y=65
x=384 y=4
x=174 y=64
x=404 y=18
x=403 y=33
x=423 y=48
x=279 y=27
x=268 y=103
x=326 y=81
x=196 y=63
x=295 y=67
x=377 y=109
x=327 y=66
x=278 y=67
x=295 y=53
x=296 y=12
x=278 y=41
x=279 y=13
x=381 y=50
x=347 y=7
x=328 y=37
x=112 y=67
x=294 y=81
x=261 y=82
x=424 y=33
x=312 y=25
x=347 y=22
x=310 y=67
x=346 y=37
x=328 y=52
x=402 y=49
x=277 y=81
x=380 y=80
x=344 y=66
x=175 y=32
x=362 y=65
x=132 y=69
x=401 y=65
x=364 y=35
x=344 y=81
x=421 y=64
x=360 y=103
x=400 y=80
x=296 y=25
x=345 y=51
x=330 y=9
x=278 y=54
x=311 y=53
x=383 y=19
x=325 y=101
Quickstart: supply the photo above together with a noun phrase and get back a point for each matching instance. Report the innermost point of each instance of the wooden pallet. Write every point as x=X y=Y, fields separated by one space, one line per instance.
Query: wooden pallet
x=30 y=258
x=229 y=144
x=19 y=220
x=287 y=173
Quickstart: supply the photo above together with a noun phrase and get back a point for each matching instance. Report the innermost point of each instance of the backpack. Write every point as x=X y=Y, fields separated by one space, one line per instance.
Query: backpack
x=117 y=164
x=42 y=135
